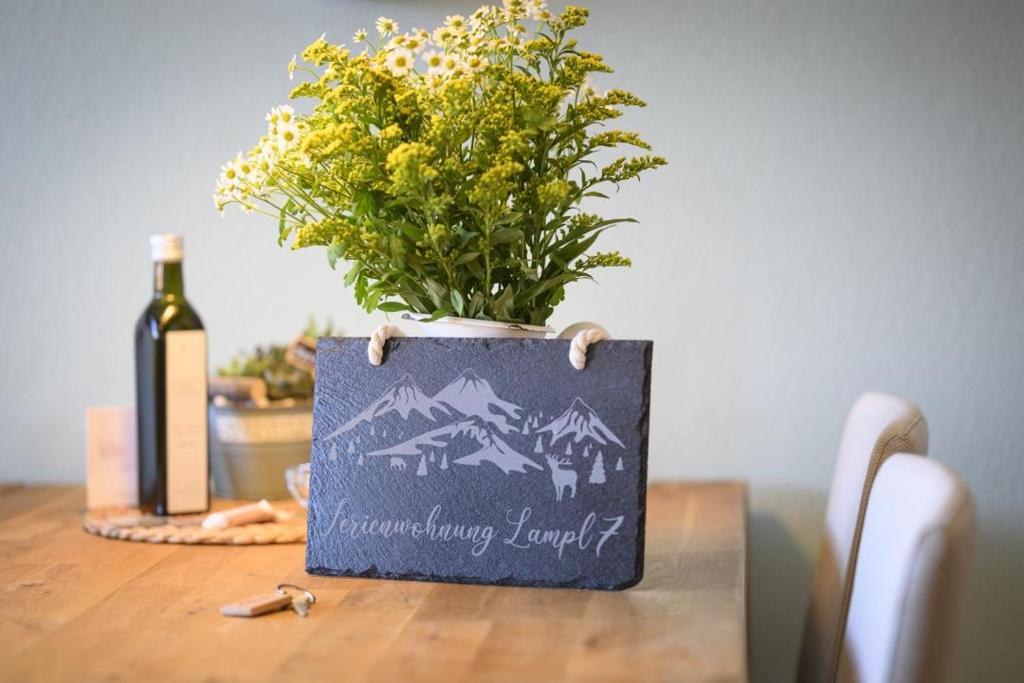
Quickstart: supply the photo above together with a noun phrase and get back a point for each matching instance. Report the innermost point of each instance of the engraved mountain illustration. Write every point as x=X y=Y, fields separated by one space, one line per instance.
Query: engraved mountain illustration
x=467 y=423
x=580 y=423
x=473 y=434
x=404 y=399
x=471 y=395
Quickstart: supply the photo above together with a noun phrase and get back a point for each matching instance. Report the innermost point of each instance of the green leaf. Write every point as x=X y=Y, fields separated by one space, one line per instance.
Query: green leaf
x=466 y=258
x=506 y=236
x=475 y=269
x=360 y=289
x=392 y=306
x=458 y=302
x=437 y=292
x=372 y=297
x=414 y=300
x=574 y=249
x=334 y=251
x=411 y=231
x=476 y=304
x=439 y=313
x=502 y=306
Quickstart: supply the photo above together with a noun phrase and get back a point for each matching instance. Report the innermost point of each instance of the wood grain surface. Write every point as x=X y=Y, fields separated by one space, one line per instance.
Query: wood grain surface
x=79 y=607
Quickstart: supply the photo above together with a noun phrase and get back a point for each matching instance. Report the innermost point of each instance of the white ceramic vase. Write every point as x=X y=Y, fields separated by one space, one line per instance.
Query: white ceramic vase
x=450 y=326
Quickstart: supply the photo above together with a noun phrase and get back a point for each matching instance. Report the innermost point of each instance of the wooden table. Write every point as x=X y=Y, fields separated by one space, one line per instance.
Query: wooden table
x=79 y=607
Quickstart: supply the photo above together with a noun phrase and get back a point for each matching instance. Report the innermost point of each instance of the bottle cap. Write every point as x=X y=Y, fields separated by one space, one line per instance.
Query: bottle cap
x=164 y=248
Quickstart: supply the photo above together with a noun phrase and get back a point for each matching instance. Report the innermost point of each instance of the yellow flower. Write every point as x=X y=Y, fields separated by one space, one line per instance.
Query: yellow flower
x=291 y=68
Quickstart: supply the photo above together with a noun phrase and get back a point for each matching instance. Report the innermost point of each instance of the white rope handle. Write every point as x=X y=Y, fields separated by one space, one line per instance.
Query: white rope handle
x=375 y=349
x=583 y=335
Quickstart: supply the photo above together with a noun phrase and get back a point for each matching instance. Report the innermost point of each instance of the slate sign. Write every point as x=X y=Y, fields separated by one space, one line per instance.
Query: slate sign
x=480 y=461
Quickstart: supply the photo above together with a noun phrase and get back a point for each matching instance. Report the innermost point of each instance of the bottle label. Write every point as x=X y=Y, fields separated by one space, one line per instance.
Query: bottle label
x=188 y=484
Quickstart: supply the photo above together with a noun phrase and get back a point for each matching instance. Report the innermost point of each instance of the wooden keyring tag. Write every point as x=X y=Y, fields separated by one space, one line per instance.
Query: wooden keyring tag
x=256 y=605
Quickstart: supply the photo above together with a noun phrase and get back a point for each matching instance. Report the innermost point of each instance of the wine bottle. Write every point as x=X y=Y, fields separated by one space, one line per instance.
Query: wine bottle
x=170 y=386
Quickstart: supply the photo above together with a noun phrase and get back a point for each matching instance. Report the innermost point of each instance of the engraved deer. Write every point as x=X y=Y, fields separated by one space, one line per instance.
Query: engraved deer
x=397 y=464
x=561 y=478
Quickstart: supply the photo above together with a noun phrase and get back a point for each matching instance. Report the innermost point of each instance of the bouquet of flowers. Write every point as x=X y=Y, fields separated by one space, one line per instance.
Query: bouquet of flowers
x=449 y=167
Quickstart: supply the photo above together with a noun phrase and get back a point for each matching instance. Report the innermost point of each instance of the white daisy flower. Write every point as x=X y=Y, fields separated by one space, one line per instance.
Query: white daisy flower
x=450 y=64
x=264 y=165
x=538 y=10
x=269 y=148
x=435 y=61
x=443 y=34
x=359 y=36
x=246 y=168
x=474 y=62
x=514 y=9
x=230 y=178
x=386 y=26
x=479 y=17
x=456 y=23
x=414 y=42
x=281 y=114
x=287 y=136
x=400 y=61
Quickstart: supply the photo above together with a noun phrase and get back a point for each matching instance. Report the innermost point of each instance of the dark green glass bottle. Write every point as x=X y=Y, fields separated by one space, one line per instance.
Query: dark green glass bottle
x=170 y=386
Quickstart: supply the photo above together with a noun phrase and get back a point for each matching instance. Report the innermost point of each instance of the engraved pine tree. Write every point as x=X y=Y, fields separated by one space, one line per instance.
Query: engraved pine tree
x=597 y=473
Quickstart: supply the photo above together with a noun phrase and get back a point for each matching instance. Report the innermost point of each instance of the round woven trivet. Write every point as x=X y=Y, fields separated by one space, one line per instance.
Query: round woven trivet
x=99 y=522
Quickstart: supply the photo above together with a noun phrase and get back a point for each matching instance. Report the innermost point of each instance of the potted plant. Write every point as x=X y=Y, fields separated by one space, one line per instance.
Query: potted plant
x=450 y=168
x=261 y=418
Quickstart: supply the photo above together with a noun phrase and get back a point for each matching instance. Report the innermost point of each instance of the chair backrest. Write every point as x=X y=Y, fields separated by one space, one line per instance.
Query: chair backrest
x=915 y=551
x=878 y=426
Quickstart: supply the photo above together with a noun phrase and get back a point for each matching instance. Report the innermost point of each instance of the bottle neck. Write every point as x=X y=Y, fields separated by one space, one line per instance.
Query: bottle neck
x=168 y=280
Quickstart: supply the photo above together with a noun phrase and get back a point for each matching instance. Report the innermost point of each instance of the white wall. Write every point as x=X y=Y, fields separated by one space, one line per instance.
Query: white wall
x=842 y=211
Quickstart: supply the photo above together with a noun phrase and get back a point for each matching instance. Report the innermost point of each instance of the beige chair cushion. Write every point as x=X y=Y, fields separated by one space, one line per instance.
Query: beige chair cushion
x=916 y=545
x=878 y=426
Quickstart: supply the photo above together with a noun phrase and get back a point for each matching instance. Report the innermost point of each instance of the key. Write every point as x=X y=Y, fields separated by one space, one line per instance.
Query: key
x=300 y=606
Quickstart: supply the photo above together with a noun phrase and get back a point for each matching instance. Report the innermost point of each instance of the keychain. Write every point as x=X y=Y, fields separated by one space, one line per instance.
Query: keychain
x=279 y=600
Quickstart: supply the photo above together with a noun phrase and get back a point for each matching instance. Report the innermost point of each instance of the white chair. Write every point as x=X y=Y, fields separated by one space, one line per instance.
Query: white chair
x=915 y=551
x=878 y=426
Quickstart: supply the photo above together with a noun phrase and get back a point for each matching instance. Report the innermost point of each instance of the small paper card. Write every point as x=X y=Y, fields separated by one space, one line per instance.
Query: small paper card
x=112 y=465
x=480 y=461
